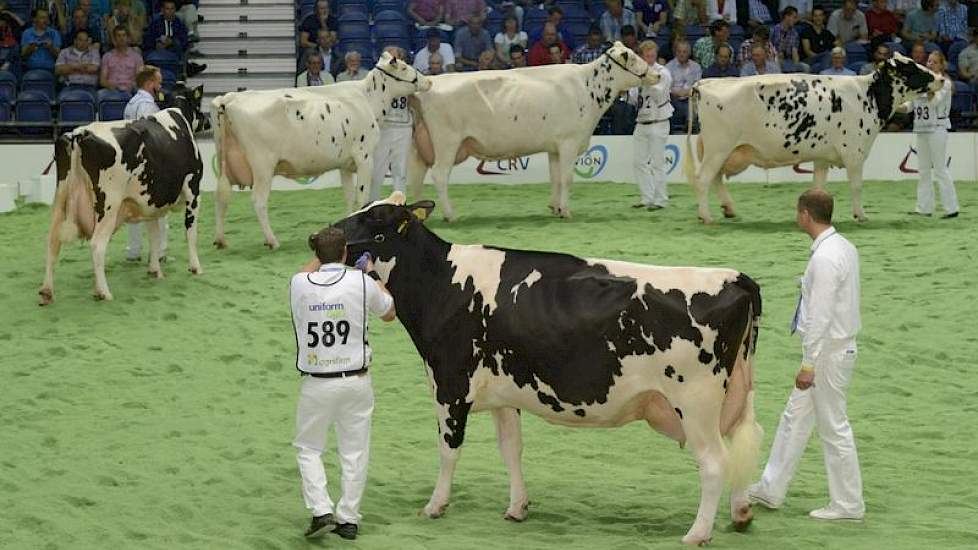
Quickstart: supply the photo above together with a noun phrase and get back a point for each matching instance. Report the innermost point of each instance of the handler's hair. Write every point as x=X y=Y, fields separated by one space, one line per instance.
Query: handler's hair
x=329 y=244
x=818 y=203
x=146 y=73
x=647 y=45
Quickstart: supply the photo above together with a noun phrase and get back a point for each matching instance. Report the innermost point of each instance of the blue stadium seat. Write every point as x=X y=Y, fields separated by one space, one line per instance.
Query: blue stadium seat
x=33 y=106
x=38 y=80
x=112 y=104
x=963 y=100
x=353 y=17
x=76 y=107
x=354 y=30
x=388 y=5
x=21 y=8
x=533 y=19
x=738 y=31
x=390 y=24
x=694 y=33
x=896 y=47
x=856 y=52
x=4 y=111
x=494 y=23
x=575 y=13
x=855 y=66
x=167 y=61
x=570 y=4
x=597 y=9
x=8 y=87
x=351 y=7
x=952 y=55
x=390 y=16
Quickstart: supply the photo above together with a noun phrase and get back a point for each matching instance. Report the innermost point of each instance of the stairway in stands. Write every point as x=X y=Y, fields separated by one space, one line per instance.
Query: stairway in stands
x=247 y=45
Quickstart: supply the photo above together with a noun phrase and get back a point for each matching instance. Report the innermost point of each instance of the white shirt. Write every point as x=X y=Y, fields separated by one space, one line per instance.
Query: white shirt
x=729 y=10
x=829 y=307
x=803 y=6
x=398 y=113
x=932 y=115
x=140 y=106
x=421 y=58
x=684 y=76
x=329 y=315
x=653 y=101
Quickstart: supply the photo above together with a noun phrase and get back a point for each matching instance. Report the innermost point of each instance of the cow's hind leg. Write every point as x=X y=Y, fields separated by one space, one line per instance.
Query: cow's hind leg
x=709 y=173
x=554 y=161
x=567 y=159
x=451 y=434
x=509 y=435
x=349 y=193
x=726 y=203
x=54 y=247
x=703 y=435
x=100 y=242
x=821 y=174
x=259 y=199
x=190 y=223
x=440 y=173
x=855 y=173
x=154 y=249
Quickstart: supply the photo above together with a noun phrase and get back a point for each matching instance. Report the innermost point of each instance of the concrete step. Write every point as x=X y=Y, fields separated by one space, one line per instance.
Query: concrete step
x=252 y=14
x=249 y=64
x=246 y=31
x=219 y=84
x=252 y=46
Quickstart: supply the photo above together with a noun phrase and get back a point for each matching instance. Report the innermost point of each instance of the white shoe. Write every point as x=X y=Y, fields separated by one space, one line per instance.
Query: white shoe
x=757 y=496
x=831 y=514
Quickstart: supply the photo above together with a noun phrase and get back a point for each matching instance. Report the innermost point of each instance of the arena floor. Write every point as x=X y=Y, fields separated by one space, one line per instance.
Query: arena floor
x=163 y=419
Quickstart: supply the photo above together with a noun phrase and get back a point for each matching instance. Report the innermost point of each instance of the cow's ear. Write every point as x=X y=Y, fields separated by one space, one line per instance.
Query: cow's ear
x=198 y=92
x=421 y=209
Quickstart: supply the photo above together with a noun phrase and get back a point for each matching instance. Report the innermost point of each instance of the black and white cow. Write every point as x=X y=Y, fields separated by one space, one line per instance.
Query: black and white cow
x=580 y=342
x=112 y=173
x=784 y=119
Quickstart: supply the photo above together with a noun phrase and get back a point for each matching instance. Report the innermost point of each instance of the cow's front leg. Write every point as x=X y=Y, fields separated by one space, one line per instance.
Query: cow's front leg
x=259 y=199
x=221 y=199
x=349 y=193
x=554 y=161
x=440 y=173
x=100 y=241
x=451 y=434
x=364 y=177
x=154 y=249
x=855 y=172
x=509 y=435
x=416 y=170
x=190 y=223
x=567 y=158
x=821 y=173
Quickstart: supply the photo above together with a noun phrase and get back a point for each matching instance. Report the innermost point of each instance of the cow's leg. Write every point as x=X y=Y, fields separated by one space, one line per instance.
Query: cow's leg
x=510 y=438
x=726 y=203
x=855 y=173
x=451 y=434
x=710 y=170
x=440 y=173
x=821 y=174
x=100 y=241
x=154 y=249
x=554 y=160
x=259 y=199
x=191 y=203
x=416 y=171
x=365 y=170
x=54 y=246
x=349 y=193
x=703 y=435
x=568 y=156
x=222 y=197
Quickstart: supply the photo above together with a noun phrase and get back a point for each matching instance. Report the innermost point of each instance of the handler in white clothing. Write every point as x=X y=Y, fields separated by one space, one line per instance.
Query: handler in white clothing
x=930 y=124
x=330 y=303
x=143 y=103
x=827 y=317
x=395 y=140
x=651 y=132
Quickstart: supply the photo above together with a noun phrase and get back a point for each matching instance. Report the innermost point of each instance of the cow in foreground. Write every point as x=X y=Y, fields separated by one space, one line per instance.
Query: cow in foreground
x=492 y=115
x=782 y=120
x=112 y=173
x=580 y=342
x=304 y=132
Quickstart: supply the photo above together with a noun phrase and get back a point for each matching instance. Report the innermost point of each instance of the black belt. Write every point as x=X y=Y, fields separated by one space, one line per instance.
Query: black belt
x=655 y=121
x=341 y=374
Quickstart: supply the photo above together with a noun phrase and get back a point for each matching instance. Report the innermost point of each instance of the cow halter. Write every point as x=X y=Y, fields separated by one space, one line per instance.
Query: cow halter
x=624 y=68
x=399 y=79
x=378 y=238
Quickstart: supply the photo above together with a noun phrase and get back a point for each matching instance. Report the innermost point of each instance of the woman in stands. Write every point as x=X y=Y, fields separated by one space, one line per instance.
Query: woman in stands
x=511 y=34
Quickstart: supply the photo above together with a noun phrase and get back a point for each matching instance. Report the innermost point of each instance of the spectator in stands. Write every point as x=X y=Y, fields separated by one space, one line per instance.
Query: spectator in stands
x=81 y=22
x=78 y=65
x=651 y=16
x=952 y=23
x=40 y=44
x=785 y=39
x=121 y=64
x=517 y=57
x=723 y=65
x=352 y=70
x=436 y=65
x=506 y=38
x=804 y=7
x=880 y=54
x=435 y=46
x=759 y=63
x=314 y=75
x=98 y=9
x=540 y=52
x=555 y=15
x=128 y=16
x=705 y=48
x=838 y=66
x=166 y=32
x=758 y=15
x=761 y=37
x=921 y=24
x=459 y=12
x=848 y=24
x=95 y=16
x=325 y=41
x=968 y=60
x=687 y=12
x=428 y=14
x=10 y=25
x=902 y=8
x=685 y=72
x=882 y=23
x=470 y=42
x=487 y=61
x=721 y=9
x=187 y=12
x=816 y=40
x=918 y=52
x=315 y=22
x=592 y=48
x=628 y=38
x=614 y=18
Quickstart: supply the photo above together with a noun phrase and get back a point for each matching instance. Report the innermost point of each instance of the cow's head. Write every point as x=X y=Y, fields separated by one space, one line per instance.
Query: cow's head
x=402 y=78
x=188 y=101
x=634 y=69
x=908 y=78
x=382 y=227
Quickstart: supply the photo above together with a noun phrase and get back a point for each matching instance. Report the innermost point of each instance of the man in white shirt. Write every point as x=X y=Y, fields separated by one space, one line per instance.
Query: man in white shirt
x=651 y=132
x=848 y=24
x=827 y=317
x=149 y=80
x=422 y=59
x=395 y=139
x=330 y=303
x=685 y=72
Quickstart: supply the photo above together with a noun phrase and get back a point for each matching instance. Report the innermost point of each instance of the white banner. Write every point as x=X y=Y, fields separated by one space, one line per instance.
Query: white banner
x=609 y=158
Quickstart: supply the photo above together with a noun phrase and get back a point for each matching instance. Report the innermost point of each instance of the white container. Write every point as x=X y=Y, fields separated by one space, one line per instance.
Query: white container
x=8 y=194
x=47 y=185
x=28 y=189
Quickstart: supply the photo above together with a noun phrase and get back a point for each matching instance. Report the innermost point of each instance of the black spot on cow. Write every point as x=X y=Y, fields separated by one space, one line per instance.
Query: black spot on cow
x=550 y=401
x=97 y=155
x=719 y=107
x=579 y=412
x=679 y=412
x=458 y=414
x=680 y=379
x=362 y=137
x=724 y=313
x=62 y=157
x=328 y=110
x=670 y=371
x=332 y=139
x=860 y=123
x=322 y=116
x=515 y=118
x=836 y=102
x=288 y=96
x=705 y=357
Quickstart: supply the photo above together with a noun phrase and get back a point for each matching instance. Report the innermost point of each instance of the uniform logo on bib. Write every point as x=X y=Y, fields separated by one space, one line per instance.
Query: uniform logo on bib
x=592 y=163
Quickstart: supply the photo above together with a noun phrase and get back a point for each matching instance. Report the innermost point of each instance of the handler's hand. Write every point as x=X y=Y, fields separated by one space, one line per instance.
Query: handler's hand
x=804 y=379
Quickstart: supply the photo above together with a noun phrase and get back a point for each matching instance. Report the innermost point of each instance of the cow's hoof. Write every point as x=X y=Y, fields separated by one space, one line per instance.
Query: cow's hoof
x=564 y=213
x=196 y=270
x=860 y=219
x=707 y=220
x=46 y=297
x=696 y=540
x=102 y=296
x=518 y=515
x=449 y=219
x=742 y=518
x=221 y=243
x=272 y=245
x=155 y=274
x=729 y=213
x=433 y=512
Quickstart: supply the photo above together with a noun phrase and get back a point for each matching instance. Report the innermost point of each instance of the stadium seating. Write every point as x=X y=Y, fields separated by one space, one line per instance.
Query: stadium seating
x=349 y=7
x=112 y=105
x=169 y=63
x=4 y=111
x=76 y=107
x=385 y=5
x=8 y=87
x=39 y=81
x=34 y=107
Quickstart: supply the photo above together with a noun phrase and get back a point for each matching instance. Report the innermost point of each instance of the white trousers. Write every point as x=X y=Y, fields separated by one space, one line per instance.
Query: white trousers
x=650 y=162
x=348 y=404
x=822 y=406
x=932 y=157
x=188 y=15
x=134 y=247
x=392 y=151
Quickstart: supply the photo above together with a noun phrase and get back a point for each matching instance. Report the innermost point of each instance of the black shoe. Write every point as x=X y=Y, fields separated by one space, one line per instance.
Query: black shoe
x=915 y=213
x=949 y=216
x=200 y=18
x=346 y=531
x=640 y=205
x=654 y=207
x=194 y=69
x=195 y=54
x=320 y=525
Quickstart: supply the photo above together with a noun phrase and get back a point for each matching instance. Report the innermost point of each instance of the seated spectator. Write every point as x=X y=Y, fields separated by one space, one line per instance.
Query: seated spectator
x=804 y=7
x=166 y=32
x=315 y=22
x=540 y=52
x=555 y=15
x=722 y=9
x=761 y=37
x=325 y=41
x=785 y=39
x=510 y=35
x=97 y=9
x=921 y=24
x=121 y=64
x=428 y=14
x=591 y=49
x=613 y=19
x=129 y=16
x=687 y=12
x=705 y=48
x=723 y=65
x=759 y=63
x=435 y=65
x=517 y=57
x=470 y=42
x=314 y=75
x=968 y=60
x=459 y=12
x=685 y=72
x=40 y=44
x=78 y=65
x=952 y=23
x=848 y=24
x=880 y=54
x=628 y=38
x=651 y=16
x=838 y=66
x=80 y=22
x=487 y=61
x=556 y=55
x=901 y=8
x=9 y=50
x=352 y=69
x=14 y=21
x=918 y=52
x=816 y=40
x=882 y=23
x=187 y=12
x=435 y=46
x=758 y=15
x=95 y=13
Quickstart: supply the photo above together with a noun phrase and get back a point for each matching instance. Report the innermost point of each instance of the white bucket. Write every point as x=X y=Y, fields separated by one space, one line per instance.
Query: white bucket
x=8 y=194
x=47 y=186
x=28 y=189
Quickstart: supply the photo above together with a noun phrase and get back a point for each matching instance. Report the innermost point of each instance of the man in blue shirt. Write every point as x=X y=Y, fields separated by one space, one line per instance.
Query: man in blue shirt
x=838 y=67
x=722 y=64
x=40 y=44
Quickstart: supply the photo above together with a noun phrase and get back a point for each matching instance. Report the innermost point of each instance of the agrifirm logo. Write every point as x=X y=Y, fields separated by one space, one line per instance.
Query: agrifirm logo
x=592 y=163
x=503 y=167
x=216 y=168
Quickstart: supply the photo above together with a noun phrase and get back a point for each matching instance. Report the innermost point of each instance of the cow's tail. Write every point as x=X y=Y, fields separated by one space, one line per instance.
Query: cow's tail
x=744 y=446
x=219 y=120
x=691 y=162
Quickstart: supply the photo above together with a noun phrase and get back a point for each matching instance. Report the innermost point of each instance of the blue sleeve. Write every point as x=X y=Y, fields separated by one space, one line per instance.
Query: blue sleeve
x=180 y=34
x=55 y=38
